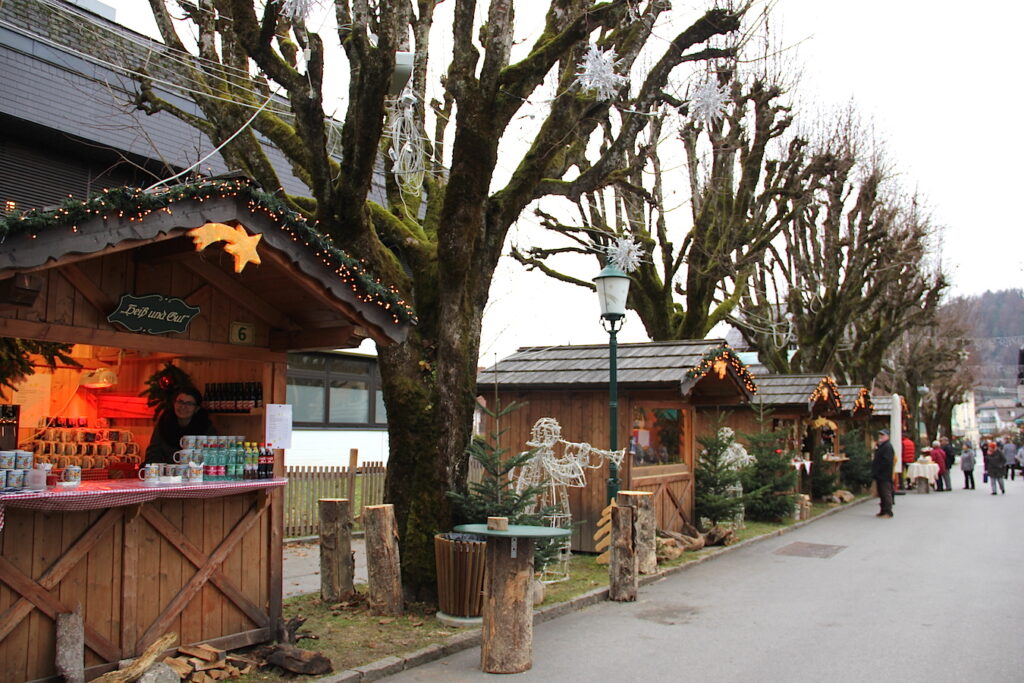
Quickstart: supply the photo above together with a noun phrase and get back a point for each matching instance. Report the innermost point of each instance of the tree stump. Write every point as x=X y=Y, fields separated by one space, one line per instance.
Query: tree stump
x=382 y=561
x=644 y=524
x=623 y=569
x=507 y=637
x=71 y=646
x=337 y=564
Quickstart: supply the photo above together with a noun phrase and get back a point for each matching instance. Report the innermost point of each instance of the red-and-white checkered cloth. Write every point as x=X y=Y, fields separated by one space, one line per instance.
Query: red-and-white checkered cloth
x=91 y=495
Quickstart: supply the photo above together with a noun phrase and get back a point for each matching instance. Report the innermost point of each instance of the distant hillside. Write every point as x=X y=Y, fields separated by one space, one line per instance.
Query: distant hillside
x=997 y=323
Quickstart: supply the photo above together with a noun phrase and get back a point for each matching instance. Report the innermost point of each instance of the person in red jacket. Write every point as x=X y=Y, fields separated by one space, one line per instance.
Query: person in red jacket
x=908 y=455
x=939 y=458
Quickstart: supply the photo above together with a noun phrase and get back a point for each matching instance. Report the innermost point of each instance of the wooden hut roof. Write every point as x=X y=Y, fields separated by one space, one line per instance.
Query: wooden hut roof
x=856 y=400
x=675 y=364
x=808 y=391
x=311 y=293
x=882 y=405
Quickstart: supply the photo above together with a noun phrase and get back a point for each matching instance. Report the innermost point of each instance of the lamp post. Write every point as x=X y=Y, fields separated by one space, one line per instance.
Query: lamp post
x=612 y=290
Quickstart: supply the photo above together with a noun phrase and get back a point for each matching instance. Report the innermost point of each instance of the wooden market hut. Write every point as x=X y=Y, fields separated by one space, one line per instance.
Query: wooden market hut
x=856 y=411
x=799 y=404
x=220 y=280
x=660 y=384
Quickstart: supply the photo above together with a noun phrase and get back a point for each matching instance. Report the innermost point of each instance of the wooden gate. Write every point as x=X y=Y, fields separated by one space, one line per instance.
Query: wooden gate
x=672 y=486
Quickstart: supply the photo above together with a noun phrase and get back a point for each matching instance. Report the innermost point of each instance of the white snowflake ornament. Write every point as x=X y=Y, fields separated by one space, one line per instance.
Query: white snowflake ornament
x=626 y=254
x=597 y=73
x=708 y=102
x=298 y=10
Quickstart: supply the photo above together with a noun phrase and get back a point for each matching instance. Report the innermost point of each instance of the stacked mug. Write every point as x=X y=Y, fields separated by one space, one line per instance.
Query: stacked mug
x=15 y=467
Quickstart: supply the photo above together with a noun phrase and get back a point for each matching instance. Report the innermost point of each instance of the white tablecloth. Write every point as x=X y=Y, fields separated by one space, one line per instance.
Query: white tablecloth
x=929 y=470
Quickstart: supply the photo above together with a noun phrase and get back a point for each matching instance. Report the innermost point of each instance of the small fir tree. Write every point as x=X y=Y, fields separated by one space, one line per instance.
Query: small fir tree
x=17 y=358
x=824 y=481
x=855 y=473
x=770 y=481
x=716 y=480
x=495 y=494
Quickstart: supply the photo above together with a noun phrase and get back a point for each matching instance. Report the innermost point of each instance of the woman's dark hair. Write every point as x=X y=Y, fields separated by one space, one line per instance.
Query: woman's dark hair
x=191 y=391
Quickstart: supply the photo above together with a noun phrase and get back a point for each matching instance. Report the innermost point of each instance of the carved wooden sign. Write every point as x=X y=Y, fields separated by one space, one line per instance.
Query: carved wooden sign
x=153 y=314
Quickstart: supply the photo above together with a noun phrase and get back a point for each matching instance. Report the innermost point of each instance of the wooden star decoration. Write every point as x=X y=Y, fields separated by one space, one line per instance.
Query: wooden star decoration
x=238 y=242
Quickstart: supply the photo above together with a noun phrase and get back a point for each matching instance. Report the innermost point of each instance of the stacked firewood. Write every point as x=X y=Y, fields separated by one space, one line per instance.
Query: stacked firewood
x=672 y=544
x=204 y=663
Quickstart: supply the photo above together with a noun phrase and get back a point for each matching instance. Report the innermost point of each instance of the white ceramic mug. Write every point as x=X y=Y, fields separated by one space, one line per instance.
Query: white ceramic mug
x=150 y=474
x=71 y=473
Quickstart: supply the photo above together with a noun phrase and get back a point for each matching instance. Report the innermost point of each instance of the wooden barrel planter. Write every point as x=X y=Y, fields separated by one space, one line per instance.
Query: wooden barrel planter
x=460 y=575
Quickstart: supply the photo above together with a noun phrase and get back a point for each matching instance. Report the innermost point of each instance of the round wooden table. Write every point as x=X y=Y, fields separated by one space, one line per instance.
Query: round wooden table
x=507 y=636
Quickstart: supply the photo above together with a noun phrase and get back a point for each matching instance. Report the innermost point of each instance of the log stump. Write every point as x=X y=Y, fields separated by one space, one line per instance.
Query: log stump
x=507 y=636
x=644 y=524
x=922 y=485
x=382 y=560
x=623 y=569
x=337 y=564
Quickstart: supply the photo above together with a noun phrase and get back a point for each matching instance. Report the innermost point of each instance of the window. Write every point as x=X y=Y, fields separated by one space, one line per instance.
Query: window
x=328 y=390
x=657 y=435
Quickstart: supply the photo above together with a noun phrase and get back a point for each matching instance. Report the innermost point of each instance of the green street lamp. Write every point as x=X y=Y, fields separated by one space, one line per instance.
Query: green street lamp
x=612 y=290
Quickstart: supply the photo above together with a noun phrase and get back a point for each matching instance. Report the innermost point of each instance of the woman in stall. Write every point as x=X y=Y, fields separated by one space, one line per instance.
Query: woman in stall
x=184 y=416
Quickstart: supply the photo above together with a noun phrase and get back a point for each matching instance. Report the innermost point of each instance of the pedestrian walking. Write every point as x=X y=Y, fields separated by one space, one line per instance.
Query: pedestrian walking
x=881 y=471
x=909 y=453
x=950 y=452
x=939 y=458
x=967 y=465
x=995 y=464
x=1010 y=456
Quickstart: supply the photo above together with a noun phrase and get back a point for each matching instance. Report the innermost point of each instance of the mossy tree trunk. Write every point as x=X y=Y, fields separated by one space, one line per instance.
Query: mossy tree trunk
x=439 y=247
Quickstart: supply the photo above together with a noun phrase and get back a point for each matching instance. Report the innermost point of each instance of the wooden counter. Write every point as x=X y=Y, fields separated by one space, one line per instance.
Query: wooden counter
x=203 y=561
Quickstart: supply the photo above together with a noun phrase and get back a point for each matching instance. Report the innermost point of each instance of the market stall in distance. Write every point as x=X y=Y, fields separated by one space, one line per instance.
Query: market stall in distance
x=661 y=385
x=218 y=281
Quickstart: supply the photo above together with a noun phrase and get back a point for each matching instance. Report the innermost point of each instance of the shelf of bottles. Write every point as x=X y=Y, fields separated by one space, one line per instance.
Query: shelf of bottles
x=232 y=459
x=233 y=397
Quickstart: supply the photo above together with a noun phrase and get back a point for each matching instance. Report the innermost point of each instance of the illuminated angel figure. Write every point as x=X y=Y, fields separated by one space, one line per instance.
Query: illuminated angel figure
x=559 y=464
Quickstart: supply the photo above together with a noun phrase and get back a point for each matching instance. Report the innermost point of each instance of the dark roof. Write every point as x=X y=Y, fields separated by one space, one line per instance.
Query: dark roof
x=679 y=364
x=796 y=390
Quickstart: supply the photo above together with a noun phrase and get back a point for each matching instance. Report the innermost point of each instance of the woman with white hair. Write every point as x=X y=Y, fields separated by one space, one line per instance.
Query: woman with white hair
x=939 y=458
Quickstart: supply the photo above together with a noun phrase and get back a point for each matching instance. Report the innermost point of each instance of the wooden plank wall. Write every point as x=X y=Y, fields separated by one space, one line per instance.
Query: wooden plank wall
x=154 y=572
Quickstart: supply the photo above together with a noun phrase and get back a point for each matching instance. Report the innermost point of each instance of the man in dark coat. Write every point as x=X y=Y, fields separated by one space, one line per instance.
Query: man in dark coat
x=881 y=471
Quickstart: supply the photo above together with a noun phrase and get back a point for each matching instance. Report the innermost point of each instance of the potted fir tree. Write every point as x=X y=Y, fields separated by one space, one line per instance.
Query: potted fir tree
x=460 y=557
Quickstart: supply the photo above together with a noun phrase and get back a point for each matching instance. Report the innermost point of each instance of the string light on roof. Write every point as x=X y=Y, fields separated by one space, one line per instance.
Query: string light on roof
x=597 y=73
x=708 y=102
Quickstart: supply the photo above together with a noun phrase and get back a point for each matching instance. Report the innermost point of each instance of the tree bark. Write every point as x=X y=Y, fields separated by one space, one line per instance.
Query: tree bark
x=644 y=524
x=623 y=567
x=507 y=638
x=337 y=566
x=382 y=560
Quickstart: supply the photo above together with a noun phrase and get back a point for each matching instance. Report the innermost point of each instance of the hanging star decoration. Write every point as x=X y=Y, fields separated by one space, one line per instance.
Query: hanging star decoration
x=625 y=254
x=298 y=9
x=597 y=73
x=708 y=102
x=239 y=243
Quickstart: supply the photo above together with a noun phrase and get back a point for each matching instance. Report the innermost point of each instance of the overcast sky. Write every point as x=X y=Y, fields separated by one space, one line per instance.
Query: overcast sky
x=939 y=87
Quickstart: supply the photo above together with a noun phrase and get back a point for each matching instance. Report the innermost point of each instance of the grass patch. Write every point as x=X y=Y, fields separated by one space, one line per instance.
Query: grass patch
x=352 y=637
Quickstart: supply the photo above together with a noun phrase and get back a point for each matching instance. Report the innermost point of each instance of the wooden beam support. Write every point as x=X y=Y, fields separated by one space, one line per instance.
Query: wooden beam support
x=103 y=304
x=233 y=288
x=196 y=556
x=199 y=579
x=329 y=338
x=71 y=334
x=52 y=577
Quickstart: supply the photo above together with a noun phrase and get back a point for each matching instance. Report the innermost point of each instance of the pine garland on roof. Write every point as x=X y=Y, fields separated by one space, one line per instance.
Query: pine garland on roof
x=134 y=204
x=724 y=354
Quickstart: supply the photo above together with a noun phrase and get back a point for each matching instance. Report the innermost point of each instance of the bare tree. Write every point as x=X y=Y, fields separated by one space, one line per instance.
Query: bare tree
x=440 y=245
x=740 y=195
x=852 y=271
x=928 y=365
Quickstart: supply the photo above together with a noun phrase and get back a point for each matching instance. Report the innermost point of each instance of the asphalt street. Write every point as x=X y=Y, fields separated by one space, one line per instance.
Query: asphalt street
x=934 y=594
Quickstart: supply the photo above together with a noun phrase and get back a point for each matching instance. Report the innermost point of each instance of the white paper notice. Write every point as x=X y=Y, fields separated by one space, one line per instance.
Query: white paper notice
x=279 y=425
